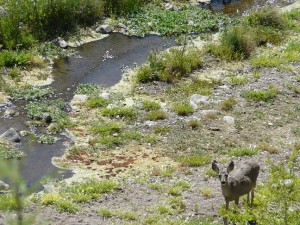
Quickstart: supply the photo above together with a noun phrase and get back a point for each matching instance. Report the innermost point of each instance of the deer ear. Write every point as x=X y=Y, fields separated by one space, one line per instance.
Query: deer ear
x=214 y=166
x=230 y=166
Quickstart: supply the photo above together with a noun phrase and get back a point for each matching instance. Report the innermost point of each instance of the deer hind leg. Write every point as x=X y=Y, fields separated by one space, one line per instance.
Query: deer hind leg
x=248 y=197
x=237 y=201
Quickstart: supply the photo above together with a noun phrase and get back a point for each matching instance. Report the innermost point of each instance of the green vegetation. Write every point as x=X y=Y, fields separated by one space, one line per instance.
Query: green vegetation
x=183 y=109
x=151 y=105
x=261 y=95
x=195 y=160
x=96 y=102
x=69 y=196
x=237 y=80
x=46 y=139
x=243 y=152
x=157 y=115
x=107 y=128
x=106 y=213
x=88 y=89
x=123 y=112
x=169 y=66
x=56 y=108
x=7 y=151
x=194 y=123
x=165 y=22
x=28 y=92
x=228 y=104
x=206 y=192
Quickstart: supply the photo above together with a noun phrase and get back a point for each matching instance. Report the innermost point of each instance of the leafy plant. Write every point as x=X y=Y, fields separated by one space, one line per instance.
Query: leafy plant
x=194 y=160
x=262 y=95
x=183 y=109
x=97 y=102
x=123 y=112
x=157 y=115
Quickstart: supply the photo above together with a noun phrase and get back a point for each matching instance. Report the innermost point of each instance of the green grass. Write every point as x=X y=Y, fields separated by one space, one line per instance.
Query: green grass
x=228 y=104
x=194 y=160
x=169 y=66
x=194 y=123
x=122 y=112
x=183 y=109
x=8 y=202
x=106 y=213
x=88 y=89
x=243 y=152
x=161 y=130
x=97 y=102
x=261 y=95
x=12 y=59
x=7 y=151
x=68 y=196
x=154 y=19
x=150 y=105
x=56 y=108
x=107 y=128
x=237 y=80
x=28 y=92
x=199 y=86
x=157 y=115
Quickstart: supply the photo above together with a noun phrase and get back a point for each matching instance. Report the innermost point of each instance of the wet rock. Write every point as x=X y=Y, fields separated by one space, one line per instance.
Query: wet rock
x=11 y=135
x=3 y=186
x=9 y=113
x=196 y=99
x=204 y=1
x=104 y=29
x=229 y=119
x=60 y=42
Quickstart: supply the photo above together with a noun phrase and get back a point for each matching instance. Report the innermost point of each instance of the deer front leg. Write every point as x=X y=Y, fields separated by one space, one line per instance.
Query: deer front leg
x=225 y=218
x=252 y=196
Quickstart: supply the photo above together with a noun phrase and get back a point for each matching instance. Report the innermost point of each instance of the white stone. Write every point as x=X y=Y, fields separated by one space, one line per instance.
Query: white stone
x=229 y=119
x=105 y=95
x=196 y=99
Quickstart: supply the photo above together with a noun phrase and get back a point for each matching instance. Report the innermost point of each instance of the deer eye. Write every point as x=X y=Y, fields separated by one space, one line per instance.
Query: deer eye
x=220 y=176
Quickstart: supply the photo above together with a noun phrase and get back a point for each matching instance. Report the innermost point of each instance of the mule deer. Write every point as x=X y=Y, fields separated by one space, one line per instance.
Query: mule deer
x=237 y=183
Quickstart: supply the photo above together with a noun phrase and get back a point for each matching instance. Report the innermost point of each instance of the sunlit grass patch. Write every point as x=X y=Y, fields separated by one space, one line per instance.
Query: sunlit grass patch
x=194 y=160
x=264 y=146
x=183 y=109
x=157 y=115
x=96 y=102
x=228 y=104
x=123 y=112
x=243 y=152
x=261 y=95
x=150 y=105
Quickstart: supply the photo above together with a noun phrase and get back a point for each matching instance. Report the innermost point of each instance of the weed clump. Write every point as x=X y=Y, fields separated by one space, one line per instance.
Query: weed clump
x=261 y=95
x=194 y=160
x=228 y=104
x=183 y=109
x=169 y=66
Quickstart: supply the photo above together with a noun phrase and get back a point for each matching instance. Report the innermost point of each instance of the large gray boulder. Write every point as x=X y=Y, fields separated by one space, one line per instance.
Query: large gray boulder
x=11 y=135
x=104 y=29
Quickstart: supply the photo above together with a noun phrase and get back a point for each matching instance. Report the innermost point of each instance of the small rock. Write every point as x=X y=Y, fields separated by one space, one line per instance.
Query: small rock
x=11 y=135
x=60 y=42
x=121 y=25
x=80 y=98
x=229 y=119
x=169 y=6
x=270 y=124
x=9 y=113
x=150 y=123
x=196 y=99
x=105 y=95
x=204 y=1
x=104 y=29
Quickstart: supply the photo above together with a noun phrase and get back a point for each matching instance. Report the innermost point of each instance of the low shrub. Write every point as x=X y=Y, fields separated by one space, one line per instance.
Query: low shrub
x=157 y=115
x=183 y=109
x=261 y=95
x=194 y=160
x=12 y=59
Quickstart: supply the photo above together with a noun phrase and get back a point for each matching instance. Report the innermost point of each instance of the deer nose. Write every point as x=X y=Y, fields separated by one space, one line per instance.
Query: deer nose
x=223 y=182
